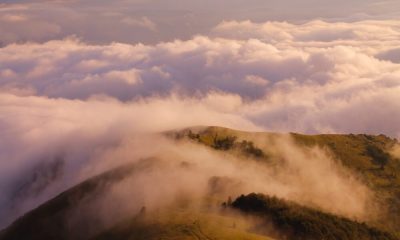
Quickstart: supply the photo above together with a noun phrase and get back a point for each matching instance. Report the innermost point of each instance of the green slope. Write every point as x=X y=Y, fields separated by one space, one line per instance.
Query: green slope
x=182 y=224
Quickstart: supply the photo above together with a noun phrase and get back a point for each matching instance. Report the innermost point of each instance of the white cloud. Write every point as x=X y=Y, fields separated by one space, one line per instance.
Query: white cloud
x=314 y=33
x=285 y=77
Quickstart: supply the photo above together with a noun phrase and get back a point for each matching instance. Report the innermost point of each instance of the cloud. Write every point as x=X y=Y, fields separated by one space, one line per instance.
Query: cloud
x=347 y=33
x=286 y=77
x=143 y=22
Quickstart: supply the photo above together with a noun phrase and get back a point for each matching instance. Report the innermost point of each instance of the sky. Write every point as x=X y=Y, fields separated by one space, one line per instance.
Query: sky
x=79 y=74
x=152 y=21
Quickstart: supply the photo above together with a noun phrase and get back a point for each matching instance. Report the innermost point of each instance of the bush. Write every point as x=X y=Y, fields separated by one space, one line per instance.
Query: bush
x=379 y=157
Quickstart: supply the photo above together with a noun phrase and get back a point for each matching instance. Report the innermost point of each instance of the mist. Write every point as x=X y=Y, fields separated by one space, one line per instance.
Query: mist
x=186 y=174
x=395 y=151
x=57 y=129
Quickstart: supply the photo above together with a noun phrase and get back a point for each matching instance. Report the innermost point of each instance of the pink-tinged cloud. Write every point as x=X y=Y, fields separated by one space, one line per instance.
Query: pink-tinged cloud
x=287 y=77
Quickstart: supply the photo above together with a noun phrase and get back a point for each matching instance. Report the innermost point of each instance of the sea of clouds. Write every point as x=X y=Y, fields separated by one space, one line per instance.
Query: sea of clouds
x=311 y=78
x=66 y=96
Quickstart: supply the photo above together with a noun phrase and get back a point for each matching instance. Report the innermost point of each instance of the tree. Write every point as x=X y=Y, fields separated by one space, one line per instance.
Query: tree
x=225 y=143
x=379 y=157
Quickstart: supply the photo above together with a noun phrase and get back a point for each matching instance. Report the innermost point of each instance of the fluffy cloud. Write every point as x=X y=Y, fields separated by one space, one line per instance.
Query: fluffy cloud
x=314 y=77
x=367 y=35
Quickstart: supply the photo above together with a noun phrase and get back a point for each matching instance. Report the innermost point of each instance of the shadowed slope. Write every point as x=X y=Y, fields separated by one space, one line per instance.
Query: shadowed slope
x=49 y=221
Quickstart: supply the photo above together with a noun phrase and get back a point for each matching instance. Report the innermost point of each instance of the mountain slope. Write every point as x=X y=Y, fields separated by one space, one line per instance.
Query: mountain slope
x=49 y=221
x=179 y=224
x=368 y=156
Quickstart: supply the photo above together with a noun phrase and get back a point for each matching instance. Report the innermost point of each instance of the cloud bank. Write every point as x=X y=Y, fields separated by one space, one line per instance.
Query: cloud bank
x=315 y=77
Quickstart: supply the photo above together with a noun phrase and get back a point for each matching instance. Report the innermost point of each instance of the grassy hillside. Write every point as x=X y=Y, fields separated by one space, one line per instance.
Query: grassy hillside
x=50 y=220
x=369 y=157
x=182 y=224
x=365 y=155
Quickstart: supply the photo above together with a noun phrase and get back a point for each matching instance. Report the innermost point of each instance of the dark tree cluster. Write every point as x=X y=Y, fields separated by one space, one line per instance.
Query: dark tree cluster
x=292 y=221
x=378 y=156
x=224 y=143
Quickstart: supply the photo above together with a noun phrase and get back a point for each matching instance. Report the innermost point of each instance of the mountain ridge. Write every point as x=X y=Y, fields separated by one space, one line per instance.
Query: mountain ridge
x=228 y=140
